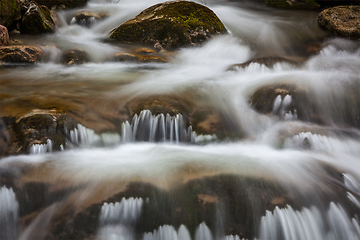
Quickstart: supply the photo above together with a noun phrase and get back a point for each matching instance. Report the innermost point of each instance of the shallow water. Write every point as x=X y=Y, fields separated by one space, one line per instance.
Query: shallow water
x=284 y=178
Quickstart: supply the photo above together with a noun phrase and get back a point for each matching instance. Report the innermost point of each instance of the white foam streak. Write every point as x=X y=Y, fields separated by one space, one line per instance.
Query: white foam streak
x=9 y=213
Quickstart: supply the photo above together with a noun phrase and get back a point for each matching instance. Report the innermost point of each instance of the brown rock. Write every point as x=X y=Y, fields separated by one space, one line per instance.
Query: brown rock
x=75 y=56
x=341 y=21
x=130 y=57
x=4 y=36
x=21 y=54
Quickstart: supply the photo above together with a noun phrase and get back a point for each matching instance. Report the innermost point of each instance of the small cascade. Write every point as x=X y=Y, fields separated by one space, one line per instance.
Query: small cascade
x=203 y=232
x=160 y=128
x=9 y=212
x=168 y=232
x=41 y=148
x=316 y=142
x=289 y=224
x=117 y=219
x=354 y=187
x=281 y=105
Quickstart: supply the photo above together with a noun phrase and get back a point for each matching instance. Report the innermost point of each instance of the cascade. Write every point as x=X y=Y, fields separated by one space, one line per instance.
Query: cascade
x=287 y=223
x=9 y=212
x=117 y=219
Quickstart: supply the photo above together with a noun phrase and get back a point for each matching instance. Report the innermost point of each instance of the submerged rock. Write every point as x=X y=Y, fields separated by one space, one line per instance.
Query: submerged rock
x=10 y=12
x=21 y=54
x=267 y=61
x=75 y=56
x=286 y=101
x=87 y=19
x=4 y=36
x=172 y=24
x=341 y=21
x=139 y=58
x=37 y=20
x=294 y=4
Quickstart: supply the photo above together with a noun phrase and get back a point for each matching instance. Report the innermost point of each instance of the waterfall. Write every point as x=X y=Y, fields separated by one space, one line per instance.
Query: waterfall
x=289 y=224
x=41 y=148
x=117 y=219
x=9 y=212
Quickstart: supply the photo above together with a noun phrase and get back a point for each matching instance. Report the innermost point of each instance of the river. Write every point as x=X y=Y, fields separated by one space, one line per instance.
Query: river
x=286 y=177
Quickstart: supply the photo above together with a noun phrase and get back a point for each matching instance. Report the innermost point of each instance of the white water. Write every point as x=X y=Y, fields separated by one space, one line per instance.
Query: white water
x=9 y=213
x=291 y=153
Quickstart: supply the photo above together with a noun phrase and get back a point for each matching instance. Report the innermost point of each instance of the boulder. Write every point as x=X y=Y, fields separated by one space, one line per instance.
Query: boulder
x=171 y=24
x=10 y=12
x=4 y=36
x=341 y=21
x=62 y=4
x=21 y=54
x=37 y=20
x=75 y=56
x=294 y=4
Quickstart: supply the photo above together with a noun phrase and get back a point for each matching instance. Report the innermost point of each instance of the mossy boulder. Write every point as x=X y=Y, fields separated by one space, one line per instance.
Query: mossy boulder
x=37 y=20
x=10 y=12
x=21 y=54
x=75 y=56
x=294 y=4
x=341 y=21
x=172 y=24
x=4 y=36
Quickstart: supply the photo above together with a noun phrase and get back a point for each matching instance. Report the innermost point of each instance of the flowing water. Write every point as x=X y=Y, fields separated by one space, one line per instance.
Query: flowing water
x=152 y=177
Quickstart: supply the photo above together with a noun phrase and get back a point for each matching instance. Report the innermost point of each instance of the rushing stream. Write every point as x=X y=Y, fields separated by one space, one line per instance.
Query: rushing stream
x=153 y=177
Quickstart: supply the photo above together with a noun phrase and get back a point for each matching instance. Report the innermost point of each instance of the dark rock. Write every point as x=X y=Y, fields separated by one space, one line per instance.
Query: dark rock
x=341 y=21
x=4 y=138
x=267 y=61
x=10 y=12
x=37 y=20
x=75 y=56
x=61 y=4
x=294 y=4
x=4 y=36
x=332 y=3
x=172 y=24
x=21 y=54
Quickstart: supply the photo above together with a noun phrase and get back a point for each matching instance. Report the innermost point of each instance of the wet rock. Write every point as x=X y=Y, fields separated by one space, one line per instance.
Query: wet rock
x=87 y=19
x=172 y=24
x=75 y=56
x=294 y=4
x=39 y=126
x=285 y=100
x=62 y=4
x=332 y=3
x=341 y=21
x=21 y=54
x=37 y=20
x=4 y=138
x=4 y=36
x=10 y=12
x=138 y=58
x=267 y=61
